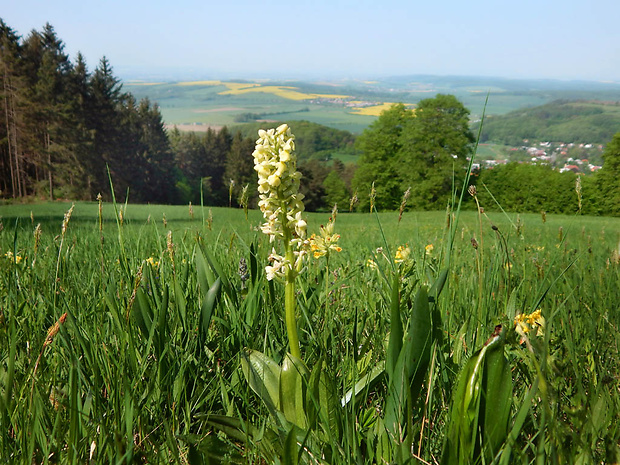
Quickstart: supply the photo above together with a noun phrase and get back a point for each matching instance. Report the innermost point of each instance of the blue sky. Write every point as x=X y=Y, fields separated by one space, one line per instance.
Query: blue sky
x=560 y=39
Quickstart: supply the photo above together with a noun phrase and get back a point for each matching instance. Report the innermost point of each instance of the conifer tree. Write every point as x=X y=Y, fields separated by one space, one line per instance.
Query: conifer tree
x=12 y=179
x=238 y=166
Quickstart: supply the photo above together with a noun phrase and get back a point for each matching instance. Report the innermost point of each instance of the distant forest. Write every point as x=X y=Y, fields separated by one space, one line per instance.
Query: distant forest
x=569 y=121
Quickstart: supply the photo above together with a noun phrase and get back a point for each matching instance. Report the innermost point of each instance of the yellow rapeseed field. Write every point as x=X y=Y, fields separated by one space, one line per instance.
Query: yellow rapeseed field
x=287 y=92
x=237 y=88
x=374 y=110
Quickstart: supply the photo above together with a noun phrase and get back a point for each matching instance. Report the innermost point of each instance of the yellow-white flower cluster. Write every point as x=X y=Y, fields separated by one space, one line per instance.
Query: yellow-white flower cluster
x=534 y=322
x=326 y=241
x=402 y=254
x=280 y=265
x=280 y=201
x=278 y=183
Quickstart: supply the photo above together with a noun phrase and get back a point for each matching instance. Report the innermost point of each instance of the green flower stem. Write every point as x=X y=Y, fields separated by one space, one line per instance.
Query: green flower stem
x=290 y=306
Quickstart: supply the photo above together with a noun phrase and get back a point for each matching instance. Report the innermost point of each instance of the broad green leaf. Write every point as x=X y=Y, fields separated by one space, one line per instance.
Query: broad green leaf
x=209 y=449
x=519 y=419
x=396 y=328
x=231 y=426
x=263 y=375
x=365 y=383
x=142 y=314
x=293 y=380
x=322 y=402
x=204 y=274
x=194 y=456
x=417 y=345
x=480 y=406
x=496 y=400
x=412 y=365
x=438 y=285
x=463 y=419
x=206 y=309
x=219 y=272
x=291 y=448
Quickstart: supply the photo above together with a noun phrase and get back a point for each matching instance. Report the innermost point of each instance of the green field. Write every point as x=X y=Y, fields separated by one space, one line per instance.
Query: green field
x=218 y=103
x=207 y=105
x=129 y=343
x=492 y=151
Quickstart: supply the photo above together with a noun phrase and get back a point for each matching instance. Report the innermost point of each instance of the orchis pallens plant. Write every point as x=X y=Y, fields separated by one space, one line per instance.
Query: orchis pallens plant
x=282 y=207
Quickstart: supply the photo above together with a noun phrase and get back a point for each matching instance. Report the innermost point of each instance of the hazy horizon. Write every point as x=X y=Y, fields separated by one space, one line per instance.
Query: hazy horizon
x=171 y=74
x=336 y=39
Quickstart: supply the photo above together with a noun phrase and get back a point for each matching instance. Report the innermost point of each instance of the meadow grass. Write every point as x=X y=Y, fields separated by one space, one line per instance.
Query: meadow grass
x=125 y=344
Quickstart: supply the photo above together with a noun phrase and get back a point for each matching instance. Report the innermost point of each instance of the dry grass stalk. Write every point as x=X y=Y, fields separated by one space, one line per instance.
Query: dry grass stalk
x=373 y=196
x=403 y=204
x=353 y=202
x=51 y=334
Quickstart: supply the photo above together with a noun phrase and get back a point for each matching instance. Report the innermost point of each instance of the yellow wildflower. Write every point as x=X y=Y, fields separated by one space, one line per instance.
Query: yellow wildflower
x=534 y=321
x=15 y=259
x=151 y=261
x=429 y=249
x=327 y=240
x=402 y=253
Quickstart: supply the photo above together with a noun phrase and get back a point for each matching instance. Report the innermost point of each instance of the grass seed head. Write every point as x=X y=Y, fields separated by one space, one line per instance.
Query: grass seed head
x=403 y=203
x=170 y=245
x=53 y=330
x=353 y=202
x=373 y=196
x=578 y=191
x=65 y=221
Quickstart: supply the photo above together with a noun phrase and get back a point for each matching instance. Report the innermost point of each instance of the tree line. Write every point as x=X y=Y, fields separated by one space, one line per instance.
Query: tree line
x=425 y=153
x=64 y=126
x=67 y=131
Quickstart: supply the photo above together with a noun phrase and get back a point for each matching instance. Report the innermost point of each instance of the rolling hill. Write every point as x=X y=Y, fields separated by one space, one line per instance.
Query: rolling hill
x=349 y=105
x=581 y=121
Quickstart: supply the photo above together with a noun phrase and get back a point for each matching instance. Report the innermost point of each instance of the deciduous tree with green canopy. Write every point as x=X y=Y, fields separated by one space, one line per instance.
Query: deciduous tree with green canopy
x=609 y=177
x=380 y=143
x=426 y=149
x=434 y=151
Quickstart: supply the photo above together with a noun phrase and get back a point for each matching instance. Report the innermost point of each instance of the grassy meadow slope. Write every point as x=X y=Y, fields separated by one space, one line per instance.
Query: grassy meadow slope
x=114 y=349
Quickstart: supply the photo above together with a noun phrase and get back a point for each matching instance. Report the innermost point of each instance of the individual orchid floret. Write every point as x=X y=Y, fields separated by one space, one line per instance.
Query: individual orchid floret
x=277 y=269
